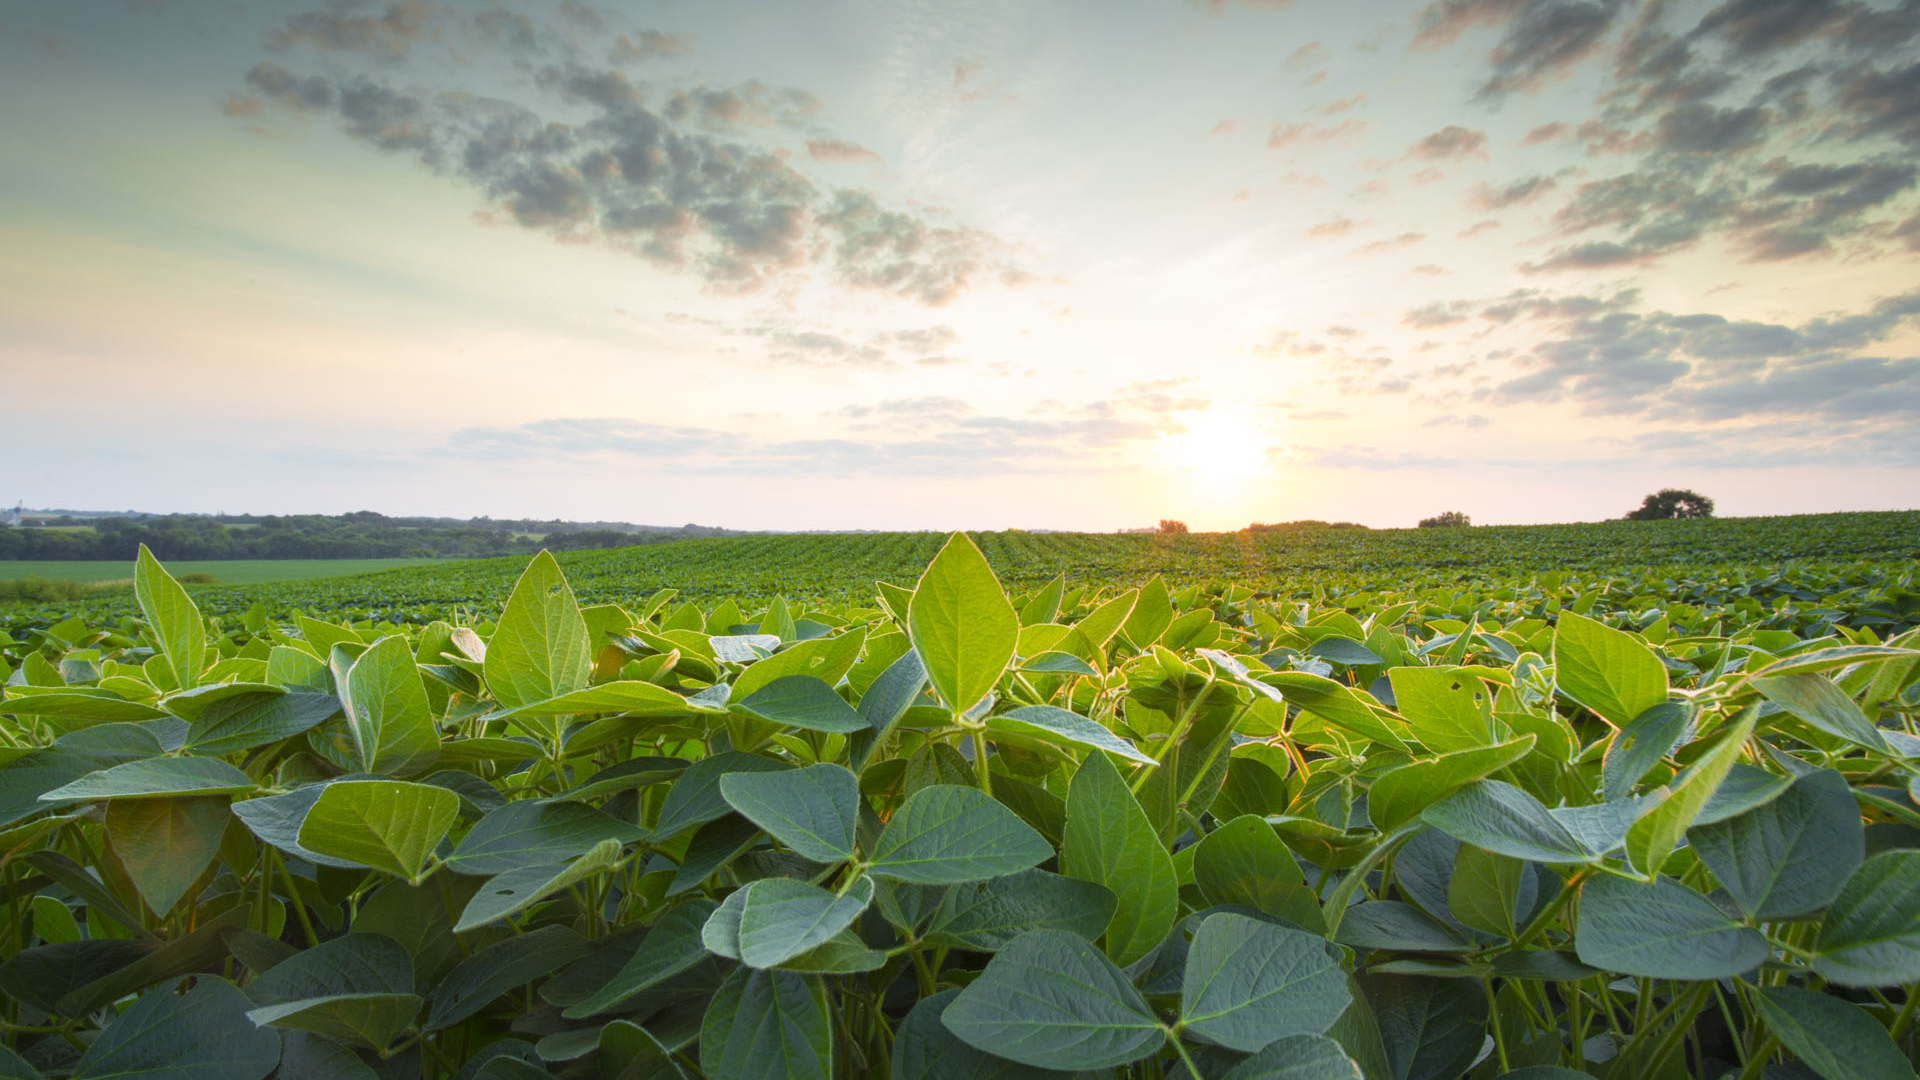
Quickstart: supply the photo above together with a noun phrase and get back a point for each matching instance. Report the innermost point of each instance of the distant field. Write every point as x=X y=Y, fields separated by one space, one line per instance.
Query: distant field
x=226 y=571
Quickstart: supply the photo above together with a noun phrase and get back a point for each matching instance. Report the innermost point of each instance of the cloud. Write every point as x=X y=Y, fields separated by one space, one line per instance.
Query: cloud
x=1450 y=143
x=387 y=35
x=1470 y=421
x=1392 y=243
x=838 y=150
x=1344 y=104
x=645 y=45
x=1524 y=190
x=1283 y=135
x=1710 y=368
x=1477 y=228
x=680 y=186
x=1339 y=226
x=1545 y=39
x=1437 y=314
x=1310 y=55
x=1545 y=133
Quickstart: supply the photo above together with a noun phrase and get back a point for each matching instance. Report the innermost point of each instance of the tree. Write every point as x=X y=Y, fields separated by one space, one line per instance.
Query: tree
x=1169 y=525
x=1670 y=503
x=1447 y=520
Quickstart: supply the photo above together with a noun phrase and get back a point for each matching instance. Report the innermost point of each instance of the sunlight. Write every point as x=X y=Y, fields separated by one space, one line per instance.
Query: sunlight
x=1221 y=445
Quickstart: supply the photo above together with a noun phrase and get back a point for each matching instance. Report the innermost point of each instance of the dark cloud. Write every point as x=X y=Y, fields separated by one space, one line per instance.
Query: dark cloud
x=1546 y=38
x=1450 y=143
x=1704 y=129
x=1545 y=133
x=638 y=48
x=1524 y=190
x=1883 y=103
x=1707 y=367
x=1443 y=22
x=387 y=34
x=674 y=186
x=1749 y=28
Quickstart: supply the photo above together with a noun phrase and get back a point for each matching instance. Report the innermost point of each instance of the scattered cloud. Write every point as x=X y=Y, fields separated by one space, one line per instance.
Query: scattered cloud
x=838 y=150
x=1524 y=190
x=1450 y=143
x=1392 y=243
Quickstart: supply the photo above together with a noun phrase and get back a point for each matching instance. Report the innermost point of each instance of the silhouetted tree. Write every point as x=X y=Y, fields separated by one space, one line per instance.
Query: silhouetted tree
x=1169 y=525
x=1670 y=503
x=1447 y=520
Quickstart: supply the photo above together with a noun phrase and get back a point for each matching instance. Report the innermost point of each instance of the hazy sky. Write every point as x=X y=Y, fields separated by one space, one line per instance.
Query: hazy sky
x=919 y=264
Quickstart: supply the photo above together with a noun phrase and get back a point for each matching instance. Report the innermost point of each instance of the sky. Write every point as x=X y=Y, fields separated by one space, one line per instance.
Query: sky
x=907 y=264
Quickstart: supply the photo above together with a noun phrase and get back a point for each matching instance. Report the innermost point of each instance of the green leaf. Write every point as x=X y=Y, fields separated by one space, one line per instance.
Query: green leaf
x=1836 y=1039
x=802 y=701
x=782 y=918
x=813 y=811
x=923 y=1049
x=633 y=773
x=15 y=1067
x=1151 y=615
x=276 y=819
x=241 y=723
x=388 y=825
x=1821 y=703
x=201 y=1035
x=165 y=844
x=1343 y=650
x=985 y=915
x=961 y=624
x=1450 y=710
x=944 y=834
x=1297 y=1057
x=1484 y=890
x=528 y=833
x=767 y=1025
x=1044 y=607
x=1250 y=982
x=76 y=703
x=1050 y=1000
x=1501 y=818
x=1399 y=796
x=1245 y=862
x=1389 y=924
x=514 y=891
x=1337 y=704
x=1110 y=842
x=155 y=778
x=1609 y=671
x=540 y=649
x=671 y=947
x=628 y=1051
x=1790 y=856
x=389 y=723
x=371 y=1021
x=696 y=799
x=1870 y=935
x=176 y=623
x=1430 y=1028
x=629 y=697
x=1641 y=744
x=1054 y=725
x=498 y=968
x=1661 y=931
x=1651 y=838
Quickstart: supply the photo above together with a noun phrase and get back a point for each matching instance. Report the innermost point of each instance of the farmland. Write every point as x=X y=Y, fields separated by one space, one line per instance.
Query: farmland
x=226 y=571
x=1609 y=801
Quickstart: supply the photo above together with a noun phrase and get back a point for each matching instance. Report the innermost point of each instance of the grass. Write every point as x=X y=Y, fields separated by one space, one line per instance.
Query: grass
x=225 y=571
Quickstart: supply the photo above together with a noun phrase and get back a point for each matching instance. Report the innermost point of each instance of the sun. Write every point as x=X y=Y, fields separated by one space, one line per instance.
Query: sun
x=1221 y=444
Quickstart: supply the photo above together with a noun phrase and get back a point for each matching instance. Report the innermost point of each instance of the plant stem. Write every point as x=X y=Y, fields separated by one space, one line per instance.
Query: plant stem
x=1499 y=1034
x=1193 y=1071
x=980 y=770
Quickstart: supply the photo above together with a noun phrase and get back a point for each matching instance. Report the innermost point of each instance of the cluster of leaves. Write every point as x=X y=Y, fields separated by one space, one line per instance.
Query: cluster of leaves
x=1668 y=503
x=1449 y=519
x=1144 y=834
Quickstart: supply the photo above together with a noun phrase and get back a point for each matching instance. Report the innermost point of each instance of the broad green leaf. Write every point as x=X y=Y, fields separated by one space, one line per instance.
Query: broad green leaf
x=1339 y=705
x=76 y=703
x=783 y=918
x=356 y=963
x=483 y=977
x=540 y=649
x=762 y=1025
x=15 y=1067
x=961 y=624
x=387 y=825
x=671 y=947
x=1430 y=1028
x=842 y=954
x=712 y=847
x=1870 y=935
x=1661 y=931
x=945 y=834
x=826 y=659
x=370 y=1021
x=1110 y=842
x=1449 y=710
x=631 y=697
x=801 y=701
x=201 y=1035
x=155 y=778
x=1609 y=671
x=242 y=723
x=276 y=819
x=923 y=1049
x=633 y=773
x=1642 y=743
x=985 y=915
x=176 y=623
x=1151 y=615
x=813 y=811
x=527 y=833
x=720 y=934
x=1790 y=856
x=1245 y=862
x=1051 y=724
x=628 y=1051
x=1050 y=1000
x=1297 y=1057
x=1832 y=1037
x=1501 y=818
x=1045 y=605
x=1821 y=703
x=1343 y=650
x=1250 y=982
x=165 y=844
x=1103 y=622
x=695 y=798
x=1389 y=924
x=1484 y=890
x=389 y=722
x=1399 y=796
x=516 y=890
x=1651 y=838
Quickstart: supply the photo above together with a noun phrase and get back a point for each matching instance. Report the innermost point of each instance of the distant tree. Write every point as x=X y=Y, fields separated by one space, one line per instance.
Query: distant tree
x=1447 y=520
x=1668 y=503
x=1169 y=525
